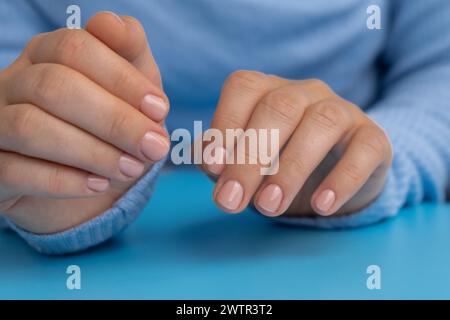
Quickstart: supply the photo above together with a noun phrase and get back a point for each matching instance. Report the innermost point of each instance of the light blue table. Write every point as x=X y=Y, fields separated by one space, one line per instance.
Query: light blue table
x=183 y=247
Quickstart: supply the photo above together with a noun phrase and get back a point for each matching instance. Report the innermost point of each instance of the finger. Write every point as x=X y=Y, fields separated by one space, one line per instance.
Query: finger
x=81 y=51
x=60 y=90
x=62 y=143
x=20 y=175
x=277 y=112
x=364 y=155
x=323 y=125
x=126 y=36
x=240 y=94
x=280 y=111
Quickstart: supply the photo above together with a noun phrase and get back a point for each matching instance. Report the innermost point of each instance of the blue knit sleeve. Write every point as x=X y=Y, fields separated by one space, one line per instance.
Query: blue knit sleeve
x=99 y=229
x=414 y=109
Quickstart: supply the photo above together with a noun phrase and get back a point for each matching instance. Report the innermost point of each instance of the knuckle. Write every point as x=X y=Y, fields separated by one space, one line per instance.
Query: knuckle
x=248 y=80
x=317 y=84
x=329 y=115
x=228 y=120
x=122 y=79
x=282 y=107
x=117 y=125
x=48 y=83
x=22 y=125
x=293 y=165
x=56 y=181
x=353 y=172
x=373 y=141
x=70 y=43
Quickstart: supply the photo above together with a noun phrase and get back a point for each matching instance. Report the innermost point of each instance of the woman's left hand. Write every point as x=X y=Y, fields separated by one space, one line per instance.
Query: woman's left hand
x=334 y=159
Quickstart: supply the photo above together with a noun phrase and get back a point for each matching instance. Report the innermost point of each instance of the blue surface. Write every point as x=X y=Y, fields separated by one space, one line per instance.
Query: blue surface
x=183 y=247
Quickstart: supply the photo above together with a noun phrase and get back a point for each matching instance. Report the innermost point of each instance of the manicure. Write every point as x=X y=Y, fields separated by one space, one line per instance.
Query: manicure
x=325 y=201
x=154 y=146
x=270 y=199
x=154 y=107
x=230 y=195
x=130 y=167
x=213 y=166
x=97 y=184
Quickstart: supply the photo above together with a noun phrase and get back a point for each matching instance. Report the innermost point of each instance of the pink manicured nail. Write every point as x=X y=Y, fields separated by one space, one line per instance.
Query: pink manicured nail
x=325 y=201
x=213 y=166
x=230 y=195
x=130 y=167
x=154 y=107
x=270 y=198
x=97 y=184
x=154 y=146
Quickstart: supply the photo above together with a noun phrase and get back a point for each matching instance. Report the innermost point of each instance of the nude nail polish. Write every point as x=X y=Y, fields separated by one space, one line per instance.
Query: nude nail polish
x=130 y=167
x=154 y=146
x=270 y=199
x=154 y=107
x=324 y=202
x=230 y=195
x=97 y=184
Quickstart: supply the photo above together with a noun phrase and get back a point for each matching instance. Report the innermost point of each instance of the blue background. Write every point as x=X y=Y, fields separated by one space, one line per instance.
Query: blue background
x=182 y=247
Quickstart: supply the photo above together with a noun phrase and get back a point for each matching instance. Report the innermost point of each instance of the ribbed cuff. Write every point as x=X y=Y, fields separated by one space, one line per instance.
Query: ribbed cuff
x=103 y=227
x=387 y=204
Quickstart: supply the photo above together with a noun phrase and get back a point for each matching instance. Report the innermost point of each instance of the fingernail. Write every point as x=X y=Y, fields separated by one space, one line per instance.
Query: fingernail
x=115 y=16
x=210 y=160
x=97 y=184
x=270 y=198
x=154 y=146
x=130 y=167
x=154 y=107
x=230 y=195
x=325 y=201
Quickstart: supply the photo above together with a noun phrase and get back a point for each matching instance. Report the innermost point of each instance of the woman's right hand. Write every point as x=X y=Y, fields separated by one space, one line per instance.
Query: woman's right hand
x=81 y=118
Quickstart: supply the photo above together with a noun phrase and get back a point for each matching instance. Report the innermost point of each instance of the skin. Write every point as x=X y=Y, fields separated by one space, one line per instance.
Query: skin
x=328 y=146
x=66 y=105
x=67 y=149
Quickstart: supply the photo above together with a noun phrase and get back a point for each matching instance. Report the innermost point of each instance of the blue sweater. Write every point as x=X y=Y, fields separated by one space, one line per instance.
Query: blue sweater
x=400 y=75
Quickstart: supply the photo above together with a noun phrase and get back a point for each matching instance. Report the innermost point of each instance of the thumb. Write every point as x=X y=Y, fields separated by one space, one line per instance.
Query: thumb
x=126 y=36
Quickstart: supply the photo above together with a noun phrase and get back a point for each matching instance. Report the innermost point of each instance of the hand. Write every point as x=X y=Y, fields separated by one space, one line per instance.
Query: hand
x=333 y=160
x=81 y=118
